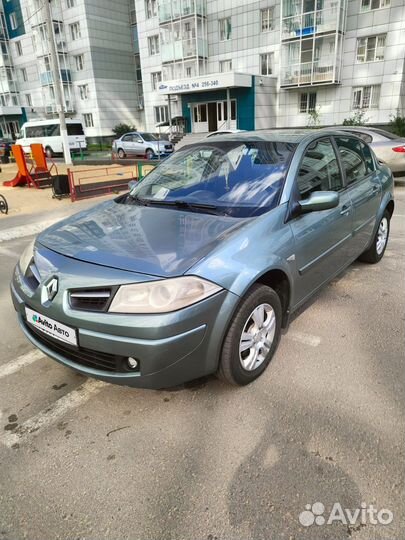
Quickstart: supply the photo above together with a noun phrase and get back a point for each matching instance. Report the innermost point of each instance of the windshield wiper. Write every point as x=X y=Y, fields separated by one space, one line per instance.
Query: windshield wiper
x=185 y=205
x=135 y=199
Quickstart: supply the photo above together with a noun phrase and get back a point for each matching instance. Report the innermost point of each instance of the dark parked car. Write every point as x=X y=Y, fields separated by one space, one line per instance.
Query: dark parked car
x=197 y=269
x=5 y=149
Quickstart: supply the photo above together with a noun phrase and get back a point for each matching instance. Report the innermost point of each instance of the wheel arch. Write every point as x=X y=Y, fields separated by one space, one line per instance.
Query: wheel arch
x=390 y=207
x=279 y=281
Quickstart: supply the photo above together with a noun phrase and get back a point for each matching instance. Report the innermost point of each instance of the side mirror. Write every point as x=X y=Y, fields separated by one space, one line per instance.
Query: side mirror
x=319 y=200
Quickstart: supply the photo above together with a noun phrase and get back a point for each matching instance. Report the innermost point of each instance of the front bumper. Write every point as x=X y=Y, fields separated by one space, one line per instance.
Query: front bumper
x=171 y=348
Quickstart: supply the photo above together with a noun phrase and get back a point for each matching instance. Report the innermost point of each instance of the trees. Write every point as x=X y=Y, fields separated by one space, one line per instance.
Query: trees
x=121 y=129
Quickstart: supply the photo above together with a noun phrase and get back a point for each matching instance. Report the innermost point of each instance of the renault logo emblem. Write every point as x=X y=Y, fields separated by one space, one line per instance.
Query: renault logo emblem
x=49 y=291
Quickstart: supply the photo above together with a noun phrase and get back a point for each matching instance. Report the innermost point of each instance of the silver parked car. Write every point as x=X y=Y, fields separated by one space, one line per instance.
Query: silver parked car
x=141 y=144
x=197 y=269
x=388 y=147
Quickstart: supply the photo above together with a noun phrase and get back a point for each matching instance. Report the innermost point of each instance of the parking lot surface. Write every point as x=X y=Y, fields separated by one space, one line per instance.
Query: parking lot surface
x=80 y=459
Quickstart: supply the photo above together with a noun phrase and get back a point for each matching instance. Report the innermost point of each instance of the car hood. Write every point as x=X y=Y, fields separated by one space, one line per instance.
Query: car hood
x=156 y=241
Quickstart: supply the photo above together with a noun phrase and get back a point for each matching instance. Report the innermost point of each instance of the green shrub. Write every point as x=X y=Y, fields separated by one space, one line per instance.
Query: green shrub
x=358 y=118
x=121 y=129
x=397 y=125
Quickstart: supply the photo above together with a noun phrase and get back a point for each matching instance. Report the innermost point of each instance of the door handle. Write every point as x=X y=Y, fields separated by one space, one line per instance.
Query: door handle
x=375 y=189
x=345 y=210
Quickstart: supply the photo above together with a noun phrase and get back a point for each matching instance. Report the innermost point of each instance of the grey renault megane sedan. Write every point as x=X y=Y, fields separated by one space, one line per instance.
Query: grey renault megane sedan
x=197 y=269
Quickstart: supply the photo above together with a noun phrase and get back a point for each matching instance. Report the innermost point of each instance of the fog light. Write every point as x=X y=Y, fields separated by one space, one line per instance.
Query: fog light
x=132 y=363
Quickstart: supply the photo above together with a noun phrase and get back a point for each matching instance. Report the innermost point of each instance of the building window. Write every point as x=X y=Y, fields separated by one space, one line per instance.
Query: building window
x=18 y=48
x=13 y=21
x=23 y=74
x=84 y=91
x=225 y=65
x=369 y=5
x=307 y=102
x=189 y=71
x=28 y=100
x=225 y=29
x=161 y=114
x=70 y=3
x=266 y=63
x=371 y=49
x=79 y=62
x=156 y=78
x=88 y=120
x=366 y=97
x=153 y=45
x=75 y=31
x=150 y=8
x=266 y=19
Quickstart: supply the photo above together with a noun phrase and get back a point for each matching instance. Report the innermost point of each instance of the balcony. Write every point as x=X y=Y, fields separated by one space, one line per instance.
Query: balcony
x=308 y=24
x=13 y=110
x=177 y=9
x=308 y=73
x=46 y=77
x=181 y=50
x=51 y=109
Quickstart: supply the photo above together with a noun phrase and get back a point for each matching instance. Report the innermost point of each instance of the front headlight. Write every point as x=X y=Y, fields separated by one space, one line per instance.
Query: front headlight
x=162 y=296
x=26 y=257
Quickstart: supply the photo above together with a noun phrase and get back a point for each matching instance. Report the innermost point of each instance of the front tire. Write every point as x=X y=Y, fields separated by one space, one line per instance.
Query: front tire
x=149 y=154
x=376 y=251
x=252 y=337
x=121 y=154
x=49 y=152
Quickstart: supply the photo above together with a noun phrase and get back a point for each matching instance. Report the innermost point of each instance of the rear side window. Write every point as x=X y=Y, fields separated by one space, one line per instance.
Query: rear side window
x=128 y=138
x=75 y=129
x=319 y=170
x=52 y=130
x=352 y=158
x=368 y=157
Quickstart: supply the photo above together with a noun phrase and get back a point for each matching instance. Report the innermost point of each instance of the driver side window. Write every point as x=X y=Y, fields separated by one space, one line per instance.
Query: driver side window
x=319 y=170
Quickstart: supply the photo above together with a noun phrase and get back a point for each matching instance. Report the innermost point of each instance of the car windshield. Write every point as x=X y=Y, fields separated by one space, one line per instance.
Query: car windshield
x=235 y=178
x=148 y=137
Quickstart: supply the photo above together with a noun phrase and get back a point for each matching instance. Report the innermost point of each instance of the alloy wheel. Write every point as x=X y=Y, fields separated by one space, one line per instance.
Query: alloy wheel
x=382 y=235
x=257 y=337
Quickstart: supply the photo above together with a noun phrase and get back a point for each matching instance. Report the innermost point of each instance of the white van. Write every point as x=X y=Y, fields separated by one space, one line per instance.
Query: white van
x=47 y=133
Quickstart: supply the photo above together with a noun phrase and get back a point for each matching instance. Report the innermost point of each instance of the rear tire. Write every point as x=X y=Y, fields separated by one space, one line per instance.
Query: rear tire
x=3 y=205
x=252 y=337
x=121 y=154
x=49 y=152
x=376 y=251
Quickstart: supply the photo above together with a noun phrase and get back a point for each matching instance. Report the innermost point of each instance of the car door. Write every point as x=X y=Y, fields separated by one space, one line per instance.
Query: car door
x=322 y=238
x=363 y=186
x=128 y=144
x=139 y=145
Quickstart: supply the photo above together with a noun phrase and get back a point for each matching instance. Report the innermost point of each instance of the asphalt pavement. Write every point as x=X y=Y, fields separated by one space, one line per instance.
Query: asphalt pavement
x=81 y=459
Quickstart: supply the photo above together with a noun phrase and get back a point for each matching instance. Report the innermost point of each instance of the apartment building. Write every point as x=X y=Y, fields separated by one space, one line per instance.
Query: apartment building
x=96 y=58
x=246 y=64
x=271 y=63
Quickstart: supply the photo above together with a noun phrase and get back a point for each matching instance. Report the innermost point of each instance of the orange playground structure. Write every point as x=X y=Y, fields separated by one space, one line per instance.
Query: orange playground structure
x=39 y=175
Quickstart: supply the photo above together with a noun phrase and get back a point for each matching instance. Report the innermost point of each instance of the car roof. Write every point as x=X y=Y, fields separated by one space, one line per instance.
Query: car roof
x=275 y=135
x=35 y=123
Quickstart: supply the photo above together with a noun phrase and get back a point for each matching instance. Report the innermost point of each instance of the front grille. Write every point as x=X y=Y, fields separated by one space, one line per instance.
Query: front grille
x=168 y=146
x=82 y=356
x=90 y=299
